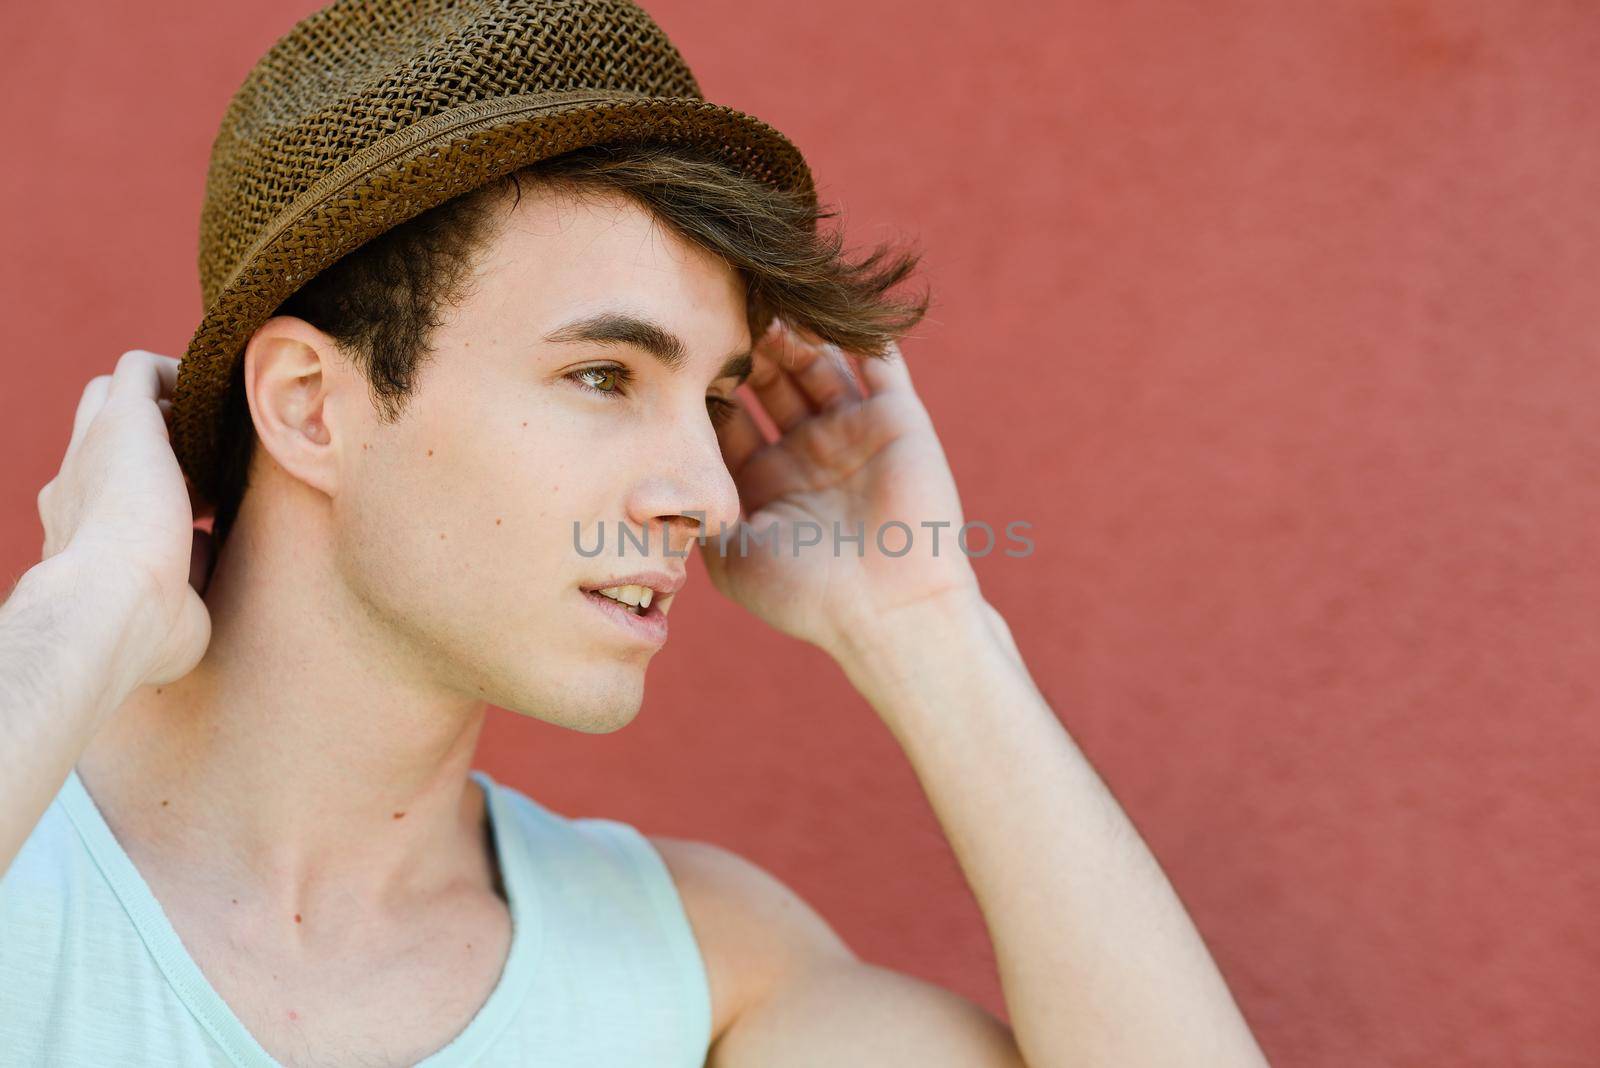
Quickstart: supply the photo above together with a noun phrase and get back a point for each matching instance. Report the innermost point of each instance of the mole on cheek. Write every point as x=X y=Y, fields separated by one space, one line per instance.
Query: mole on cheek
x=497 y=522
x=297 y=917
x=430 y=452
x=397 y=815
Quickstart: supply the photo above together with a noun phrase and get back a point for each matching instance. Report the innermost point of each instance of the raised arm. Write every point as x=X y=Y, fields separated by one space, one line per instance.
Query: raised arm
x=112 y=605
x=1099 y=961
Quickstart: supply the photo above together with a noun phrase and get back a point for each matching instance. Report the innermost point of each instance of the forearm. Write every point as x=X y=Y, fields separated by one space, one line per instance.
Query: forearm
x=62 y=639
x=1098 y=961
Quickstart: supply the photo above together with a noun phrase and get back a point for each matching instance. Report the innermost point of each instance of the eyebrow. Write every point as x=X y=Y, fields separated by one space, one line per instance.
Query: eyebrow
x=621 y=328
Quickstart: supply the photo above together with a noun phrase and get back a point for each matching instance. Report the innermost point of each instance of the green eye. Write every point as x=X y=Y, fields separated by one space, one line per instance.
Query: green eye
x=612 y=381
x=617 y=375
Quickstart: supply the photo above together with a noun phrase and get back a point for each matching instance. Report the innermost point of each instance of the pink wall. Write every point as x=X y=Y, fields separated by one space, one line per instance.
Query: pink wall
x=1278 y=320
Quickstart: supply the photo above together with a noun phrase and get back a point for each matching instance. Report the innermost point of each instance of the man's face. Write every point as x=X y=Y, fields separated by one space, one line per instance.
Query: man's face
x=456 y=523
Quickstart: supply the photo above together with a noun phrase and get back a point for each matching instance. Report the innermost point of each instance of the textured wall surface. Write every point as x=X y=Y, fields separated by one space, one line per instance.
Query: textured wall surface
x=1277 y=320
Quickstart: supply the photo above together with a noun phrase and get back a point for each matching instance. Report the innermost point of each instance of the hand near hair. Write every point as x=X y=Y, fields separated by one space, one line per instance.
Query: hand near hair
x=121 y=508
x=113 y=604
x=857 y=461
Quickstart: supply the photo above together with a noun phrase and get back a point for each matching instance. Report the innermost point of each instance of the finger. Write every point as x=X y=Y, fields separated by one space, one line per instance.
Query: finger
x=89 y=405
x=199 y=507
x=817 y=366
x=167 y=368
x=775 y=389
x=740 y=437
x=887 y=373
x=165 y=404
x=147 y=373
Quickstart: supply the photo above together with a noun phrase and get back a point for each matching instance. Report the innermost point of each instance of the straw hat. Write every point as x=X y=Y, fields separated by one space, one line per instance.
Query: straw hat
x=369 y=112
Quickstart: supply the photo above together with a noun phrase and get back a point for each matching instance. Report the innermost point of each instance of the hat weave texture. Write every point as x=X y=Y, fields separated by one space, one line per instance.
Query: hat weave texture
x=369 y=112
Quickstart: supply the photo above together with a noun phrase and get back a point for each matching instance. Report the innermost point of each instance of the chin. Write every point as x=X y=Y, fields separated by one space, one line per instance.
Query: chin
x=589 y=707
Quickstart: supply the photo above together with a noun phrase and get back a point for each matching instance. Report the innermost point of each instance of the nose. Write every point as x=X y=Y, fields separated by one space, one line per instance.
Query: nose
x=686 y=490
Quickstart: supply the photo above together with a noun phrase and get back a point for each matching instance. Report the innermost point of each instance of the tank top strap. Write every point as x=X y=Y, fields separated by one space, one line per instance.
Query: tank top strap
x=620 y=978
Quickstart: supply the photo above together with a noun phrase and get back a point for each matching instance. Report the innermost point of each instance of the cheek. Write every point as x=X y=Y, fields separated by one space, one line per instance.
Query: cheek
x=384 y=554
x=512 y=468
x=514 y=487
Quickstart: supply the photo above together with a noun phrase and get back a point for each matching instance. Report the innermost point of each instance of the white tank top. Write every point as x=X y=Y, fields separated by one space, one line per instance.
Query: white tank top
x=603 y=968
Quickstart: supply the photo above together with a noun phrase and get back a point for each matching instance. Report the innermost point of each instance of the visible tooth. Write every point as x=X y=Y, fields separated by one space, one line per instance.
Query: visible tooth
x=645 y=596
x=633 y=595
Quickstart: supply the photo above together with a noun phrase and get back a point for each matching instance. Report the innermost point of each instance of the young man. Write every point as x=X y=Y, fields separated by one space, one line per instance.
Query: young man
x=237 y=819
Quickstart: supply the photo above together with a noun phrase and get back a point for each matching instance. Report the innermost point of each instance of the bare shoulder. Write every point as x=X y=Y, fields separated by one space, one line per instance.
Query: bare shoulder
x=787 y=992
x=752 y=928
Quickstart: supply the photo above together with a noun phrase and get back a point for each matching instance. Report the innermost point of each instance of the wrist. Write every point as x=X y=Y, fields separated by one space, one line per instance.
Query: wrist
x=95 y=610
x=898 y=648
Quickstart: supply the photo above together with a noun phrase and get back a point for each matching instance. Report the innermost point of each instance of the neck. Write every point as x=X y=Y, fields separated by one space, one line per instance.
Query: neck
x=304 y=761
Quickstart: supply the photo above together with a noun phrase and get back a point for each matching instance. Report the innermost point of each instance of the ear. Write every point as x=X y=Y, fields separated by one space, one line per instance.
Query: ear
x=294 y=377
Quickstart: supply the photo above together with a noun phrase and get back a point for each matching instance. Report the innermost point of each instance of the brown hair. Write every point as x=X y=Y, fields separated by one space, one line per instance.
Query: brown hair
x=381 y=302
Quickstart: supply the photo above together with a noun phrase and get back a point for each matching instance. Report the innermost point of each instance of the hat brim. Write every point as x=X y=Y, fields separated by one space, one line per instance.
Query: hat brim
x=420 y=167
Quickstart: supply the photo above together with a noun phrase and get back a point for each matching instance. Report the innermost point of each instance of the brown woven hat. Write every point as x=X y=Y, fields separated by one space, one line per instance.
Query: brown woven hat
x=369 y=112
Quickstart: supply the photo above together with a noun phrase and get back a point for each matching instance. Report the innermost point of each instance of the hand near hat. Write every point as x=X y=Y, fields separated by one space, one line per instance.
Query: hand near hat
x=847 y=458
x=122 y=511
